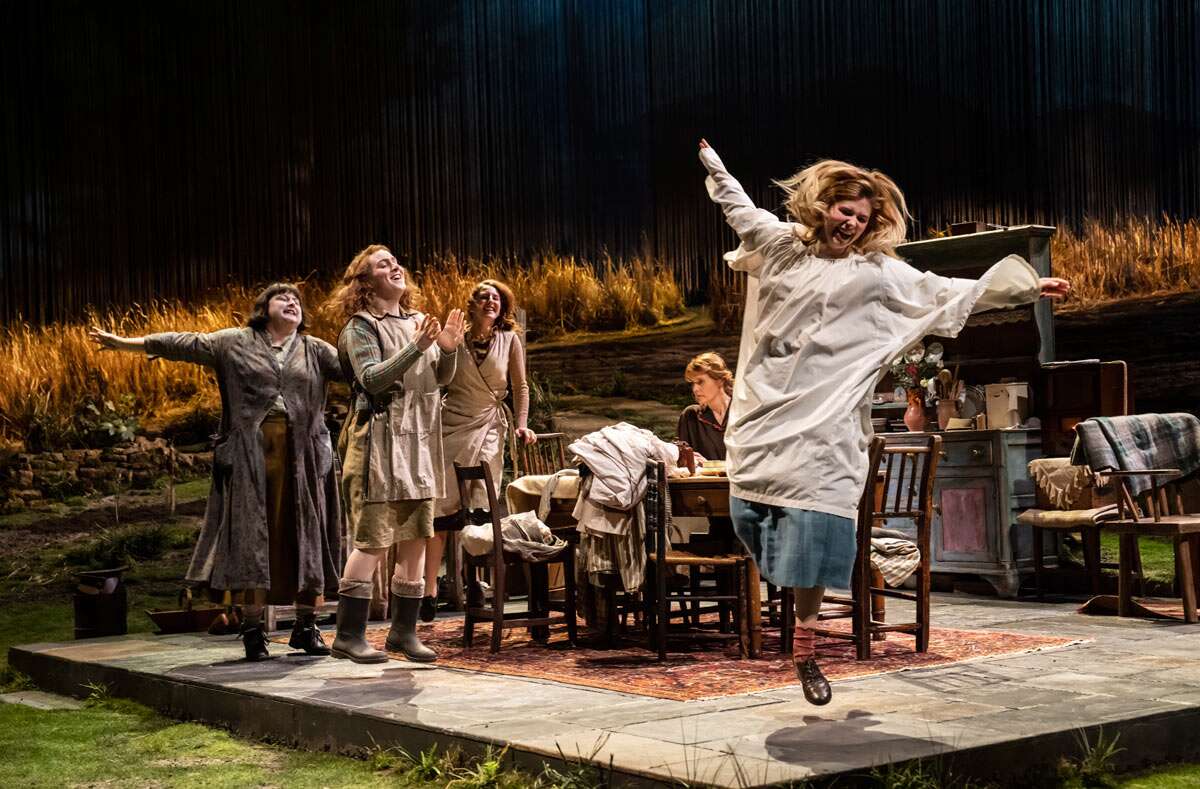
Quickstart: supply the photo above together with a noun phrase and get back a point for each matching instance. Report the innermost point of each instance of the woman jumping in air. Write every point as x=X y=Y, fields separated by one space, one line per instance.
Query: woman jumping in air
x=828 y=307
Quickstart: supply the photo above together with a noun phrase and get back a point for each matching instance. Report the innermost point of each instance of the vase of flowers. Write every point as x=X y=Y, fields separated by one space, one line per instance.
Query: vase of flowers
x=916 y=371
x=914 y=415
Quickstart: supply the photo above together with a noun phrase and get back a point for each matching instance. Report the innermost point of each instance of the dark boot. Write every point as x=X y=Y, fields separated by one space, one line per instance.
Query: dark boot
x=351 y=642
x=428 y=608
x=816 y=687
x=403 y=635
x=306 y=636
x=254 y=639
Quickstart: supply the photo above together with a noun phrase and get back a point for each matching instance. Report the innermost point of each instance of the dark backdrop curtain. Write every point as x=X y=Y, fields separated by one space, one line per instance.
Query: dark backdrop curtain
x=161 y=149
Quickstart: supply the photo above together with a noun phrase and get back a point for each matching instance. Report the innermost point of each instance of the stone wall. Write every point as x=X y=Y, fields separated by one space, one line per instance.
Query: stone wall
x=30 y=480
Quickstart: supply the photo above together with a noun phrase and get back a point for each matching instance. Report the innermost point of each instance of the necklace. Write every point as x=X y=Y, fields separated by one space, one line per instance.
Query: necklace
x=480 y=347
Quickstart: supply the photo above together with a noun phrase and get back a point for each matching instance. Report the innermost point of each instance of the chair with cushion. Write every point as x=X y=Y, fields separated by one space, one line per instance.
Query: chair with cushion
x=908 y=474
x=539 y=614
x=1068 y=502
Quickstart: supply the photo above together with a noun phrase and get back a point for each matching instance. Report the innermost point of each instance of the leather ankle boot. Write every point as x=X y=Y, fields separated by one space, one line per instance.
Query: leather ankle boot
x=351 y=642
x=816 y=687
x=254 y=639
x=306 y=635
x=428 y=608
x=403 y=635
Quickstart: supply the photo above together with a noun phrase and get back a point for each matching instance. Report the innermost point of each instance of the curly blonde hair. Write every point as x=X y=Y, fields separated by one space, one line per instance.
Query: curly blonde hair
x=712 y=365
x=815 y=189
x=354 y=294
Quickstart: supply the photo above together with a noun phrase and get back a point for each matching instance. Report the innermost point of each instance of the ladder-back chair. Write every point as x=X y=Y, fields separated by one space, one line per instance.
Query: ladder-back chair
x=909 y=472
x=546 y=456
x=499 y=561
x=730 y=593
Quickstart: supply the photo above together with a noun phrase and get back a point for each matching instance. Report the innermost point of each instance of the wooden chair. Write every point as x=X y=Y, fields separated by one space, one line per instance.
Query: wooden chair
x=547 y=456
x=779 y=610
x=1157 y=512
x=499 y=561
x=730 y=592
x=1089 y=507
x=1059 y=523
x=779 y=607
x=909 y=472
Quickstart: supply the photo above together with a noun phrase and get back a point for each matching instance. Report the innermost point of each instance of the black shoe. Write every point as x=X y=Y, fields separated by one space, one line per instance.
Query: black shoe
x=254 y=639
x=306 y=636
x=428 y=608
x=403 y=635
x=816 y=687
x=351 y=642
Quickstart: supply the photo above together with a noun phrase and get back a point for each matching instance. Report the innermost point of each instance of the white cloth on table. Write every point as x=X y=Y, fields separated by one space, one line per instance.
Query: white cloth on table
x=534 y=491
x=817 y=336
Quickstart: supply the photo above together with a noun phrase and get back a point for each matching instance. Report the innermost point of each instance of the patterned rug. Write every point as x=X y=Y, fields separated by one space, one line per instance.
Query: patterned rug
x=705 y=669
x=1143 y=607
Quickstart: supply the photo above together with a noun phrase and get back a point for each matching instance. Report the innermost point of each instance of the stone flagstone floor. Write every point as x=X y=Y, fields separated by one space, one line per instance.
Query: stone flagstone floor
x=1005 y=717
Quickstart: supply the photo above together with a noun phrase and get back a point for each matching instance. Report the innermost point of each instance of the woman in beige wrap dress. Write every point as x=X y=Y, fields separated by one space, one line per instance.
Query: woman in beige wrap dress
x=476 y=421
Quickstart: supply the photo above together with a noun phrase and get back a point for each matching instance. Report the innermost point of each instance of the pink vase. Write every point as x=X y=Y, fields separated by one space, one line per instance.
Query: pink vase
x=914 y=415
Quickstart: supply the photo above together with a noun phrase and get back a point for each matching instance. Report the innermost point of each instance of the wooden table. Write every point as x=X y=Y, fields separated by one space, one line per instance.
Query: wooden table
x=708 y=497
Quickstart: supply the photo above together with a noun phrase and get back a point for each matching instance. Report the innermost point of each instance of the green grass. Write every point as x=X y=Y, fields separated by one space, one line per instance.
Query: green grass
x=1176 y=776
x=118 y=742
x=1158 y=557
x=112 y=742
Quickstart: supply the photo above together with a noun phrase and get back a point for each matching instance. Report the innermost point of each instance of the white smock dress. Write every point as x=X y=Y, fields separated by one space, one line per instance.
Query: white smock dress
x=817 y=337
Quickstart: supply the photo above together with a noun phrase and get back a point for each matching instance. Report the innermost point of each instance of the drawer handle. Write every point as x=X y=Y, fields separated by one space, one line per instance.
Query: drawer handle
x=701 y=500
x=976 y=453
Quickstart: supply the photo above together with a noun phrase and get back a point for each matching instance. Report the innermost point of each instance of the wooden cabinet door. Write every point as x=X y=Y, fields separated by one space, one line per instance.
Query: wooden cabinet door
x=964 y=520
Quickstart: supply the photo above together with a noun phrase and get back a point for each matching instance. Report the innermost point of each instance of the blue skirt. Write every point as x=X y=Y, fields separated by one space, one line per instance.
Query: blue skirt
x=798 y=548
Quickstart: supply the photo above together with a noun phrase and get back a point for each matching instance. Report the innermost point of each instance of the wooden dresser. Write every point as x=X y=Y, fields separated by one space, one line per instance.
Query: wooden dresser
x=982 y=479
x=982 y=485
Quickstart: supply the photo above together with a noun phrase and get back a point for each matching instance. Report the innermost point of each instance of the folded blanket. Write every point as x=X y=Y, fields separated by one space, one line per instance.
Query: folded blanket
x=896 y=559
x=1065 y=519
x=522 y=533
x=1132 y=443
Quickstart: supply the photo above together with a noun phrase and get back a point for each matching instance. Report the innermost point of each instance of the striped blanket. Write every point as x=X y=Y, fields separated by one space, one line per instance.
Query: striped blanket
x=1131 y=443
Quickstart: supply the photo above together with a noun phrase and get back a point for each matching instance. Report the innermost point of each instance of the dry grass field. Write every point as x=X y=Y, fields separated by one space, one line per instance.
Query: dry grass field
x=54 y=376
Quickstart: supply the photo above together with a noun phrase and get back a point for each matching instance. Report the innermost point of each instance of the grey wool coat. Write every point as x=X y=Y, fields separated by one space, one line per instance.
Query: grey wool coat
x=232 y=552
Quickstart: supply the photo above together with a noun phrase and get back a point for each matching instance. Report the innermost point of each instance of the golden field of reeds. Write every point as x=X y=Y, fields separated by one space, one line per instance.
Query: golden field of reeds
x=1142 y=257
x=52 y=373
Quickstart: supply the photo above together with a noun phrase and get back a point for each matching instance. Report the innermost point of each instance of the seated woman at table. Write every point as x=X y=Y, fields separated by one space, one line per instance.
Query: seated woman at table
x=702 y=426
